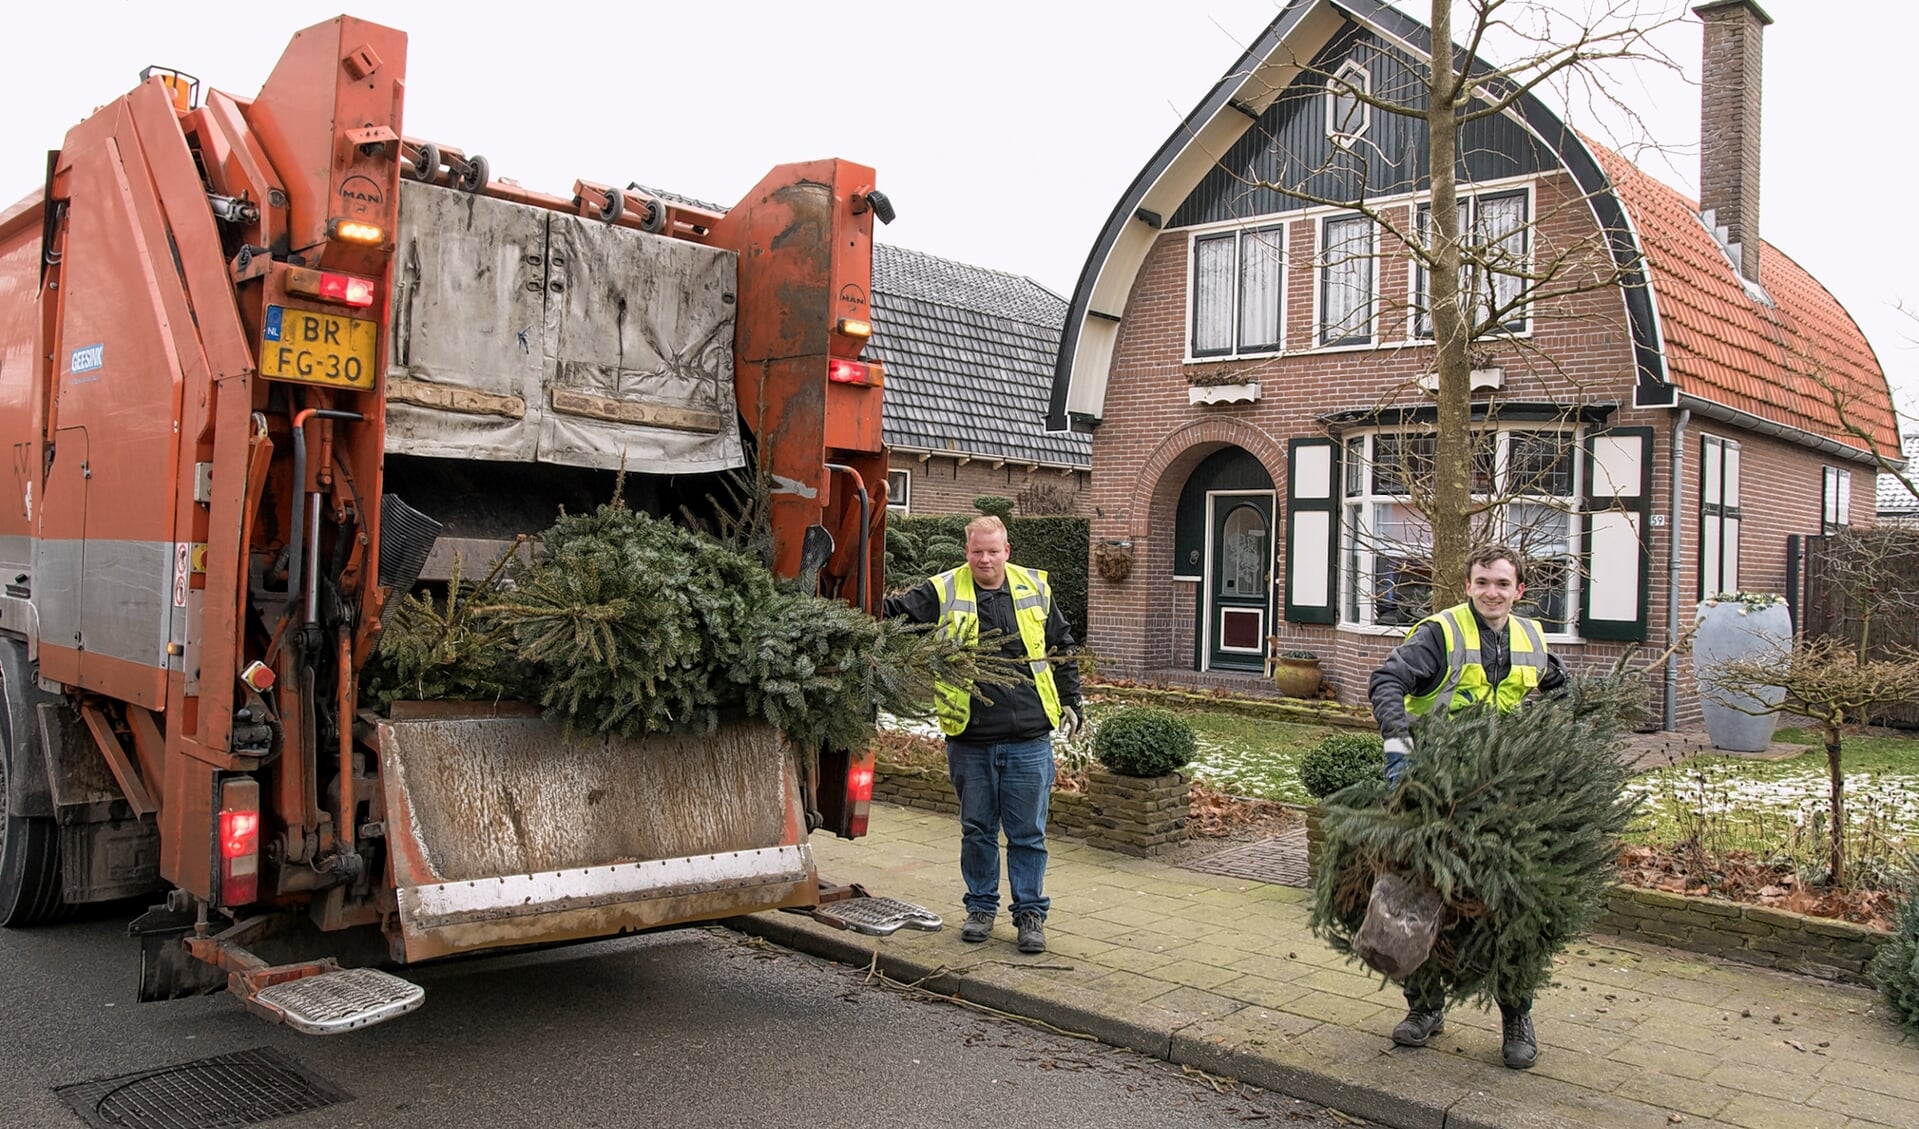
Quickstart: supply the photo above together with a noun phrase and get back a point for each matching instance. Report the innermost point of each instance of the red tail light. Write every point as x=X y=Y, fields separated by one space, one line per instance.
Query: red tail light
x=859 y=793
x=239 y=842
x=331 y=286
x=845 y=372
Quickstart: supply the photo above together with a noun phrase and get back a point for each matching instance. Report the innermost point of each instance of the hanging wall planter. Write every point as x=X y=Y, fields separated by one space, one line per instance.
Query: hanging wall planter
x=1734 y=627
x=1113 y=559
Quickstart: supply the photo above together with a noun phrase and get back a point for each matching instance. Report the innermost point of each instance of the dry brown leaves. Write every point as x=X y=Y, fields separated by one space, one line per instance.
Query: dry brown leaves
x=1212 y=813
x=1738 y=876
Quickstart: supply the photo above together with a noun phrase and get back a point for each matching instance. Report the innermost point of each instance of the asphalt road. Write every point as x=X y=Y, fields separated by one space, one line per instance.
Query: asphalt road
x=692 y=1028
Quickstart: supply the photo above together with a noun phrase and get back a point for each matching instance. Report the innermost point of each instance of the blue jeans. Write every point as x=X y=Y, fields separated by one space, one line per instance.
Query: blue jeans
x=1004 y=785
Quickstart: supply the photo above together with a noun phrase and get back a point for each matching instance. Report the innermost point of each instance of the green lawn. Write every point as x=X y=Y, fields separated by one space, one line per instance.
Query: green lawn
x=1779 y=809
x=1242 y=754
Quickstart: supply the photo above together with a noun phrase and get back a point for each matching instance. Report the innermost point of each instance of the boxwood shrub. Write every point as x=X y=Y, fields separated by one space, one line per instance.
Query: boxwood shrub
x=1144 y=741
x=1342 y=759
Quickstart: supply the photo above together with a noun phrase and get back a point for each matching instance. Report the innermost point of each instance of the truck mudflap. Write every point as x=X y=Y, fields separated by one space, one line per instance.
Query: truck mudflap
x=509 y=831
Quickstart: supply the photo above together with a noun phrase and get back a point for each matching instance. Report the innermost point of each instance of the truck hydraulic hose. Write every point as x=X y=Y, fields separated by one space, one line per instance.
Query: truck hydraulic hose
x=866 y=515
x=295 y=546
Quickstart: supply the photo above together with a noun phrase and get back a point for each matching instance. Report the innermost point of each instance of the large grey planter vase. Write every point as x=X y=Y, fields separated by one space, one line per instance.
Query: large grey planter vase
x=1730 y=631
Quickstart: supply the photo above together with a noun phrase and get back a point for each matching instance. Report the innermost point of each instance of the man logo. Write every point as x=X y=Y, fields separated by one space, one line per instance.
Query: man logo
x=853 y=295
x=361 y=195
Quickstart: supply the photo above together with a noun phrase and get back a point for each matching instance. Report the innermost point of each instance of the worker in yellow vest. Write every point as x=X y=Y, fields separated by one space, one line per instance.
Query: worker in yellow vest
x=999 y=748
x=1474 y=654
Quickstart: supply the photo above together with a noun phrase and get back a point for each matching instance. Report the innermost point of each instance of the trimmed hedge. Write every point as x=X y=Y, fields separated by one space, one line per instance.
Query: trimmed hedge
x=919 y=547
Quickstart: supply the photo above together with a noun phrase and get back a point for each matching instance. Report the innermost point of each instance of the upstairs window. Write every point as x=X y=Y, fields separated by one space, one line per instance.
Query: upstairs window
x=1347 y=115
x=1493 y=228
x=1836 y=509
x=1238 y=291
x=1346 y=281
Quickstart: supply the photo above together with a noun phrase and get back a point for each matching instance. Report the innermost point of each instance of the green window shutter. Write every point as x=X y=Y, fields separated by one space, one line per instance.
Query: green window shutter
x=1312 y=531
x=1618 y=510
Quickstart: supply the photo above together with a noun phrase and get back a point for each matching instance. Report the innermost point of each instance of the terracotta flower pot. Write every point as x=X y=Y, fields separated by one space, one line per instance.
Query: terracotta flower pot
x=1296 y=678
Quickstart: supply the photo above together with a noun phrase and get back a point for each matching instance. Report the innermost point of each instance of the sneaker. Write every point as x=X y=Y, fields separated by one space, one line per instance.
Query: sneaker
x=1032 y=932
x=1520 y=1049
x=1419 y=1026
x=978 y=927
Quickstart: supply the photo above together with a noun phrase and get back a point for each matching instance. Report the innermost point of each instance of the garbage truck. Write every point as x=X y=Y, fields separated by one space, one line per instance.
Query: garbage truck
x=269 y=364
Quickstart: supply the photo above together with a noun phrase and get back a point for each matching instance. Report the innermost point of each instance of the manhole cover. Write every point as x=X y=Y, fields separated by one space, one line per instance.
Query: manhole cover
x=242 y=1088
x=1280 y=860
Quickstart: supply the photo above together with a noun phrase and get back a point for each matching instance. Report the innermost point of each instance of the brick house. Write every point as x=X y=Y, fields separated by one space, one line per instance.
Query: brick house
x=1250 y=365
x=969 y=356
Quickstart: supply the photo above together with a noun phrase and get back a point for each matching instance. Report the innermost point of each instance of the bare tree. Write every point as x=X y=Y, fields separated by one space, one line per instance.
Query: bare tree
x=1829 y=682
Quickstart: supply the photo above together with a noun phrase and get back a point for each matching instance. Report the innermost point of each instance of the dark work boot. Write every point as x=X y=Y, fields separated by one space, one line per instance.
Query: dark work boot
x=978 y=926
x=1032 y=932
x=1419 y=1026
x=1520 y=1049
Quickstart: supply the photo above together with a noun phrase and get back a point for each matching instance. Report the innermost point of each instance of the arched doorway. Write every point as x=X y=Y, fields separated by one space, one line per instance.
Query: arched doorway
x=1223 y=545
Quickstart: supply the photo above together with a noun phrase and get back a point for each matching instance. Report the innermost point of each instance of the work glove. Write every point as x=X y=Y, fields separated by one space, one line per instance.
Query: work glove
x=1399 y=757
x=1069 y=721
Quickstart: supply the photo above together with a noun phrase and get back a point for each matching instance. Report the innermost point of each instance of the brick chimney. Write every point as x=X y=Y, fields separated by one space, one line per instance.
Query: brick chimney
x=1729 y=125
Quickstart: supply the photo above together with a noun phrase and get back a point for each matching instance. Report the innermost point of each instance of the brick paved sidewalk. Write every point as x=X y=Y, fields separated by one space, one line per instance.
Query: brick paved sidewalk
x=1223 y=974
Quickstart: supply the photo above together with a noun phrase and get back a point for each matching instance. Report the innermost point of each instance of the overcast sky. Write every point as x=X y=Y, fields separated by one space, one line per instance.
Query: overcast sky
x=1004 y=130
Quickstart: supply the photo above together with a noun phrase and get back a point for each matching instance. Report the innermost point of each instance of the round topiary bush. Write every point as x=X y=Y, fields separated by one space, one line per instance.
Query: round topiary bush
x=1144 y=741
x=1342 y=759
x=1896 y=969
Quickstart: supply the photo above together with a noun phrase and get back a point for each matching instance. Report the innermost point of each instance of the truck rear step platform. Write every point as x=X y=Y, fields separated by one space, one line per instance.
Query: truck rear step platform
x=878 y=917
x=336 y=1002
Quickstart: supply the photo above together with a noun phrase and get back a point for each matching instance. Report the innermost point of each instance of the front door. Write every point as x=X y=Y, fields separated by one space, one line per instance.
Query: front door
x=1239 y=580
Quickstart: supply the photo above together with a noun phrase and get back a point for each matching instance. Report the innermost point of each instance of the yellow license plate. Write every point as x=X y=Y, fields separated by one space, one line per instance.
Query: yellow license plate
x=318 y=348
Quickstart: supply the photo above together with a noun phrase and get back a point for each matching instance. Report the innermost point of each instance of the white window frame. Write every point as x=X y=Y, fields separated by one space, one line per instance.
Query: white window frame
x=1521 y=326
x=1835 y=500
x=1275 y=233
x=904 y=504
x=1720 y=518
x=1321 y=265
x=1358 y=556
x=1358 y=78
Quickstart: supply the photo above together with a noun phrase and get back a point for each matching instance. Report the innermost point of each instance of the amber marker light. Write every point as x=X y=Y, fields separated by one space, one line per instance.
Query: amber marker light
x=854 y=327
x=355 y=231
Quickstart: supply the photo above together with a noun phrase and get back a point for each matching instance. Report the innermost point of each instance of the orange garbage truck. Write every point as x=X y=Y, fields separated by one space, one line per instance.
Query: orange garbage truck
x=269 y=364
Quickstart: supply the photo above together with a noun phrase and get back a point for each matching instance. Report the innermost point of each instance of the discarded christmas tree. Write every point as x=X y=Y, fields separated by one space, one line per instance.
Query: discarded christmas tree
x=627 y=624
x=1513 y=821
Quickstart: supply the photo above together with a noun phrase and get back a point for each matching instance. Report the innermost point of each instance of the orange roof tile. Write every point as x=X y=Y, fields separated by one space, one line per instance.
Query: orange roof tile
x=1800 y=361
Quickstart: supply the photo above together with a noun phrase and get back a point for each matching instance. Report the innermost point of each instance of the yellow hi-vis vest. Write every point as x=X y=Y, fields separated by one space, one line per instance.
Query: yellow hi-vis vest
x=1465 y=682
x=959 y=618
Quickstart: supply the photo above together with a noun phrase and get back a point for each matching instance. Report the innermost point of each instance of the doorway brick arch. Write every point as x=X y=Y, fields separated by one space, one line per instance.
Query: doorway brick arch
x=1155 y=499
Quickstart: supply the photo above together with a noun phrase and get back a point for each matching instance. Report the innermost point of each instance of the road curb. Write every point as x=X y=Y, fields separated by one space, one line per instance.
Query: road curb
x=1182 y=1037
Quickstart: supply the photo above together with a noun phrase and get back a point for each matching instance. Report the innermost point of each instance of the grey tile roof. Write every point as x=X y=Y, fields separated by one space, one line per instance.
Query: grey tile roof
x=1894 y=498
x=969 y=355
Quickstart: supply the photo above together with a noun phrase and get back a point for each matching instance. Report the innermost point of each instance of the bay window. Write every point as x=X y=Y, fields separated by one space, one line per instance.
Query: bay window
x=1525 y=479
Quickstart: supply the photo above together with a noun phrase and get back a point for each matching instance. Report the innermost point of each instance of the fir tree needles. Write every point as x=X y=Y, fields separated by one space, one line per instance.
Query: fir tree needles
x=1513 y=820
x=631 y=625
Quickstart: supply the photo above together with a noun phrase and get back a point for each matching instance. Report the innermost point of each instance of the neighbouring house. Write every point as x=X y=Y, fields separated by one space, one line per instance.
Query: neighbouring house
x=969 y=356
x=1896 y=504
x=1253 y=368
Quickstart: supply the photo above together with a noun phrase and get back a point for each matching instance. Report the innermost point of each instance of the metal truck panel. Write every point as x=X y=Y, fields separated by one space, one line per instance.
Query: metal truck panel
x=505 y=830
x=520 y=334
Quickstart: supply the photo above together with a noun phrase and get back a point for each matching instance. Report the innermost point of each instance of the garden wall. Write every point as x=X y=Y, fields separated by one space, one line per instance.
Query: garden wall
x=1117 y=813
x=1791 y=942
